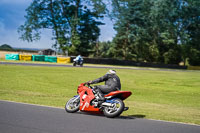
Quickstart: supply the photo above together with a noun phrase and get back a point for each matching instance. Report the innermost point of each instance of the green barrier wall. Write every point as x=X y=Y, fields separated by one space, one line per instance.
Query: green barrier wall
x=12 y=57
x=50 y=59
x=38 y=57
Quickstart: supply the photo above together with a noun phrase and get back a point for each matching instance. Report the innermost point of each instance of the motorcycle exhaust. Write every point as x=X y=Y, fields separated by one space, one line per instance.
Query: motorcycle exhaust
x=110 y=105
x=106 y=104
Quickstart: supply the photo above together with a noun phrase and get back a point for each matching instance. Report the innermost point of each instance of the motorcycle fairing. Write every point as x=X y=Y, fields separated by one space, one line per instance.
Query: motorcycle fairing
x=86 y=96
x=122 y=94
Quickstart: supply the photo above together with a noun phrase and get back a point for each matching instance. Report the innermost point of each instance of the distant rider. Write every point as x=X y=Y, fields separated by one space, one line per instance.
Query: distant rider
x=79 y=58
x=112 y=83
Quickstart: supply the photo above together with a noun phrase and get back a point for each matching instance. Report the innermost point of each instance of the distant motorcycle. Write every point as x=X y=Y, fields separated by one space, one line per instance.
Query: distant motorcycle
x=77 y=62
x=87 y=101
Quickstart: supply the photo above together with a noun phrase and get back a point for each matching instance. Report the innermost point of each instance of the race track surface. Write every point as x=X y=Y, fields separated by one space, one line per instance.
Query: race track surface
x=26 y=118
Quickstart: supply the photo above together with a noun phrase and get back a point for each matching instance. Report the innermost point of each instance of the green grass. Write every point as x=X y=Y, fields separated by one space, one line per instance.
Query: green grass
x=163 y=95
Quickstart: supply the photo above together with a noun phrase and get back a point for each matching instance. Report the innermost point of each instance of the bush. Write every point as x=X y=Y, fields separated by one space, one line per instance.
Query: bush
x=173 y=56
x=194 y=57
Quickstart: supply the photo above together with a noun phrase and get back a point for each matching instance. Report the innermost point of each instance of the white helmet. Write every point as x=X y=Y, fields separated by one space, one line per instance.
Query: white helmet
x=111 y=72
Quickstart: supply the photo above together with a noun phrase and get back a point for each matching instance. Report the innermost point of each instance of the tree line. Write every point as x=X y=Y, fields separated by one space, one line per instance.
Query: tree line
x=160 y=31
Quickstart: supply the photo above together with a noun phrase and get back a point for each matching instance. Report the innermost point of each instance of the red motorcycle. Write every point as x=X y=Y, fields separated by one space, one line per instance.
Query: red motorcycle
x=87 y=101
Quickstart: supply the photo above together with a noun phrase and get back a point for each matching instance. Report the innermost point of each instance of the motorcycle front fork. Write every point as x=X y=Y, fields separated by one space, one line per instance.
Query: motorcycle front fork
x=77 y=97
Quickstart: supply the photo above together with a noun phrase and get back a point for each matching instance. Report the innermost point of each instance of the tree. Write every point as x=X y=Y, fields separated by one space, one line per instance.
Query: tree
x=89 y=33
x=156 y=30
x=104 y=50
x=64 y=18
x=190 y=29
x=6 y=47
x=133 y=26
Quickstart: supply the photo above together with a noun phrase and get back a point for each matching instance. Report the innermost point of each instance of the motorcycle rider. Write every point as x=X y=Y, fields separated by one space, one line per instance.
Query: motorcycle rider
x=79 y=58
x=112 y=83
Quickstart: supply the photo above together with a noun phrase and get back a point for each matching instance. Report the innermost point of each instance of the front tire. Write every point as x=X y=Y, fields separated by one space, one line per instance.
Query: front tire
x=115 y=110
x=73 y=106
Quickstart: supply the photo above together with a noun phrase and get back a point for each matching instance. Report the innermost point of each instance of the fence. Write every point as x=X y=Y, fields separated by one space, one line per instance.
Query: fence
x=43 y=58
x=129 y=63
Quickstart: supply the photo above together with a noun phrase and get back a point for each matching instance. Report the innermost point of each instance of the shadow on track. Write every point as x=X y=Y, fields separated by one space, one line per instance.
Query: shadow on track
x=130 y=116
x=120 y=117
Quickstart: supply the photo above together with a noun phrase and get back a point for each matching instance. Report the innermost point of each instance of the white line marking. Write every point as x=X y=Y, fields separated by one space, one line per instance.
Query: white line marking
x=191 y=124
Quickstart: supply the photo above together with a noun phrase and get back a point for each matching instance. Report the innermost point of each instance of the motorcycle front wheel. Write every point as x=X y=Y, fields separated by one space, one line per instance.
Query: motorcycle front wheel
x=73 y=105
x=115 y=110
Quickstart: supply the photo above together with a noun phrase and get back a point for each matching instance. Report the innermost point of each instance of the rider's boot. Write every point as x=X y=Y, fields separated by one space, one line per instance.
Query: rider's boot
x=101 y=98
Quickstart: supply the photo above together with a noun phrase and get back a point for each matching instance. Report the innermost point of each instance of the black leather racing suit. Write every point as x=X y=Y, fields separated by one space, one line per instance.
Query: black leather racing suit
x=112 y=83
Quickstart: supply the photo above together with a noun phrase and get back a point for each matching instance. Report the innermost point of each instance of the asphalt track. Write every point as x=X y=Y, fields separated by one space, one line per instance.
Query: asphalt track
x=26 y=118
x=108 y=67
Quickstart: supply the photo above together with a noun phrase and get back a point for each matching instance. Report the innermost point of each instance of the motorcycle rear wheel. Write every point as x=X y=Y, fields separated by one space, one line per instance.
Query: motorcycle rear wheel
x=114 y=111
x=72 y=106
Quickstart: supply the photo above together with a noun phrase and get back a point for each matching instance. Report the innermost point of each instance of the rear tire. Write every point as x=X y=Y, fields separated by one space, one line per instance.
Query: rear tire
x=72 y=106
x=114 y=111
x=81 y=64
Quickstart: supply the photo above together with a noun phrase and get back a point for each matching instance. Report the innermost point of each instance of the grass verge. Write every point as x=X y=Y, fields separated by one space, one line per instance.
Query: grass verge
x=162 y=95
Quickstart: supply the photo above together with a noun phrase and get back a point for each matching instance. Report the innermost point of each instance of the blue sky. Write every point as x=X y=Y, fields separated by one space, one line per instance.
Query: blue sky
x=12 y=16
